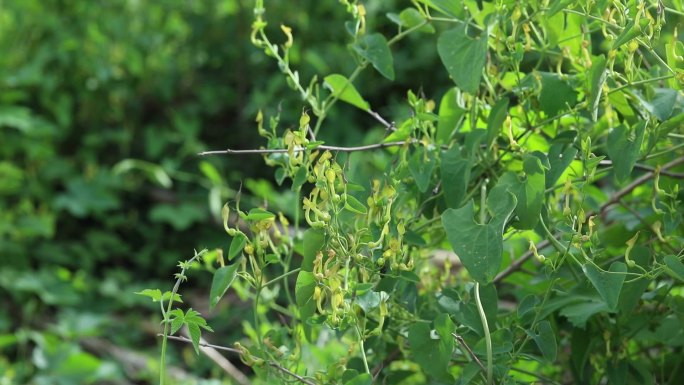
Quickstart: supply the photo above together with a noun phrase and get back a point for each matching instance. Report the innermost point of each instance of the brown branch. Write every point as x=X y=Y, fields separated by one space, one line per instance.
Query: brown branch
x=470 y=352
x=388 y=126
x=678 y=175
x=272 y=364
x=321 y=147
x=613 y=200
x=221 y=361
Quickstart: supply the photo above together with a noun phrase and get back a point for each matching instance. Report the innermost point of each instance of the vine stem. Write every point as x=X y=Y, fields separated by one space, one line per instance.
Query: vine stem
x=165 y=314
x=363 y=350
x=488 y=337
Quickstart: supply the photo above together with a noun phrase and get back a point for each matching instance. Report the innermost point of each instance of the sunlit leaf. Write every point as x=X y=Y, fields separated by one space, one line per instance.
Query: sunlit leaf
x=345 y=91
x=223 y=278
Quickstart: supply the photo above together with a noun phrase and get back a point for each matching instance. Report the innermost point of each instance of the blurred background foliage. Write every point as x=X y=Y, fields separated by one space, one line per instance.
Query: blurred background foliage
x=103 y=108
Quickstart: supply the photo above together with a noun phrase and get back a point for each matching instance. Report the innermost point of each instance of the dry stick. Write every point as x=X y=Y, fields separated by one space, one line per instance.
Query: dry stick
x=640 y=166
x=472 y=354
x=321 y=147
x=237 y=351
x=613 y=200
x=221 y=361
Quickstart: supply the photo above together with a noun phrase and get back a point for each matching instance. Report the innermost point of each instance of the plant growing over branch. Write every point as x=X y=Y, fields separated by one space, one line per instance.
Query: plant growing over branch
x=548 y=167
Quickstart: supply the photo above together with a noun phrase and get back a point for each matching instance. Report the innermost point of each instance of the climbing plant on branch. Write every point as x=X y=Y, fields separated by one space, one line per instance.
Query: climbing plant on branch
x=521 y=225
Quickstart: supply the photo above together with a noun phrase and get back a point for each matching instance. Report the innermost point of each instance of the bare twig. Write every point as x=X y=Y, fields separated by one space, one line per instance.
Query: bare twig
x=470 y=352
x=221 y=361
x=640 y=166
x=321 y=147
x=272 y=364
x=388 y=126
x=613 y=200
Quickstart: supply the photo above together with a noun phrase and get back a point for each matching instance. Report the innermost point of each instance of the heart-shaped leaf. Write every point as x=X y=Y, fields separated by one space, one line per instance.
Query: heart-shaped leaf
x=479 y=246
x=342 y=88
x=374 y=48
x=607 y=283
x=624 y=147
x=463 y=57
x=529 y=189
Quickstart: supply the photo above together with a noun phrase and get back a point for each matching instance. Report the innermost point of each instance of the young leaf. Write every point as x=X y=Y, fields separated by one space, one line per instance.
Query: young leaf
x=463 y=57
x=223 y=278
x=345 y=91
x=352 y=204
x=374 y=48
x=607 y=283
x=623 y=148
x=155 y=294
x=256 y=215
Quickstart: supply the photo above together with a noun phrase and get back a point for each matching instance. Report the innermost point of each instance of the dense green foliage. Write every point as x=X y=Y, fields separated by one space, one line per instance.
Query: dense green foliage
x=541 y=142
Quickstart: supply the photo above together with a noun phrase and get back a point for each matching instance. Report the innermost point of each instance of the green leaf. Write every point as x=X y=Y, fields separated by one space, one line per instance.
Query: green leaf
x=624 y=148
x=479 y=246
x=210 y=172
x=432 y=351
x=556 y=94
x=345 y=91
x=352 y=204
x=579 y=313
x=410 y=17
x=631 y=292
x=256 y=215
x=496 y=118
x=421 y=164
x=447 y=7
x=607 y=283
x=195 y=335
x=155 y=294
x=236 y=245
x=223 y=278
x=455 y=176
x=299 y=178
x=560 y=156
x=304 y=289
x=314 y=239
x=545 y=338
x=463 y=57
x=167 y=296
x=674 y=267
x=662 y=105
x=361 y=379
x=374 y=48
x=630 y=31
x=597 y=76
x=529 y=189
x=450 y=114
